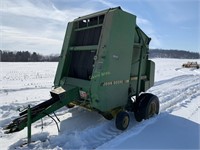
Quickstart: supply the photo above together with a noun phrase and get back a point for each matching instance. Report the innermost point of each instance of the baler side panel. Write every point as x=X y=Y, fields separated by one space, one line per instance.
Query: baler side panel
x=141 y=47
x=116 y=57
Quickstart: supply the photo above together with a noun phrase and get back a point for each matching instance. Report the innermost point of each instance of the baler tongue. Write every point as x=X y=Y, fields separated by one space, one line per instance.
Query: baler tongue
x=14 y=126
x=39 y=111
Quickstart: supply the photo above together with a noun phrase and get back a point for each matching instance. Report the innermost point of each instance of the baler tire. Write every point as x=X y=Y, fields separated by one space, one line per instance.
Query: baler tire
x=152 y=107
x=147 y=107
x=138 y=117
x=137 y=108
x=122 y=120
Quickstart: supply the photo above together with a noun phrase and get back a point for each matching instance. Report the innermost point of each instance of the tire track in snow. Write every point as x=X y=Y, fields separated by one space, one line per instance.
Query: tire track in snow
x=174 y=92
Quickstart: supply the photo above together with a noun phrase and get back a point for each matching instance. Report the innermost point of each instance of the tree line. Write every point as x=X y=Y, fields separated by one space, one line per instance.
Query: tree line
x=181 y=54
x=25 y=56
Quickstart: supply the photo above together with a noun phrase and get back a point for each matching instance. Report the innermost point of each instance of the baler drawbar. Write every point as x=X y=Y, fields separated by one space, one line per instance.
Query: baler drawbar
x=39 y=111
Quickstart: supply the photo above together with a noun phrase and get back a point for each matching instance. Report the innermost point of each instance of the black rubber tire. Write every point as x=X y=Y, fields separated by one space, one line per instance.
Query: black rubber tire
x=137 y=107
x=138 y=117
x=122 y=120
x=148 y=106
x=152 y=108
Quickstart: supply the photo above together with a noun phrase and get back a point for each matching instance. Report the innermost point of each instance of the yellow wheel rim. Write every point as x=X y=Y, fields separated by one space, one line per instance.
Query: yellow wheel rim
x=125 y=122
x=152 y=109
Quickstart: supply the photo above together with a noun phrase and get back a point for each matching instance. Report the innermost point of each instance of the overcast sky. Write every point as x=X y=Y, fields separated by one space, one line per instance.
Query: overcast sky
x=39 y=25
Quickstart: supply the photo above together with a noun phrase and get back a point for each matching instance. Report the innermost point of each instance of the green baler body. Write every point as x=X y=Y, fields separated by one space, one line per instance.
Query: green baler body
x=105 y=54
x=103 y=63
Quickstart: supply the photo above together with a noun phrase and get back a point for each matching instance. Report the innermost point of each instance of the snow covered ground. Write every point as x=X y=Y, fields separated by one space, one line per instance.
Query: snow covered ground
x=176 y=127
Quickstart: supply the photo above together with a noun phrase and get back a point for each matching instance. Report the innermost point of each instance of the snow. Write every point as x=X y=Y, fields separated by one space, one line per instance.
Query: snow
x=176 y=127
